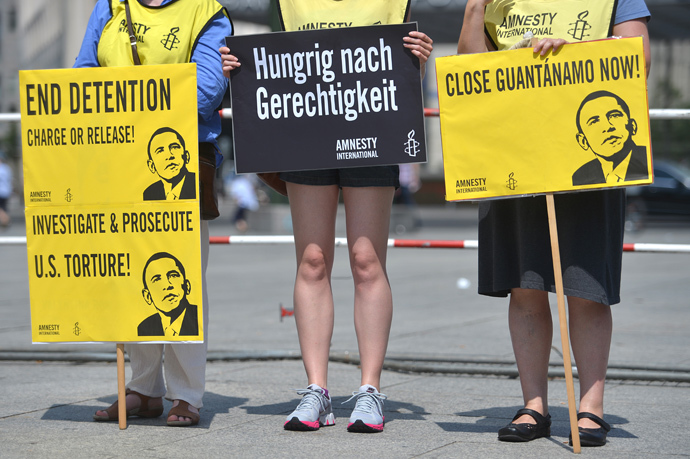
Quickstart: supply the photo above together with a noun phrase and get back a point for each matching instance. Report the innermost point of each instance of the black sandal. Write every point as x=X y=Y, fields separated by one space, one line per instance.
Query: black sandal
x=526 y=432
x=591 y=436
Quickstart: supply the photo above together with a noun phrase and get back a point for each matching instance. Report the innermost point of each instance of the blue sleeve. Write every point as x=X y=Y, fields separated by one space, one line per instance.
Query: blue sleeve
x=211 y=84
x=631 y=9
x=88 y=54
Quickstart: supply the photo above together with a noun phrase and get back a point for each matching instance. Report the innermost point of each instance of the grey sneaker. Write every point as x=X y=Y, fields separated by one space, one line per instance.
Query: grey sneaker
x=313 y=411
x=367 y=417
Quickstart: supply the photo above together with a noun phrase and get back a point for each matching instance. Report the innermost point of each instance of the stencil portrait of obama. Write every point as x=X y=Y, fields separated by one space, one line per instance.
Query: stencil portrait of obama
x=168 y=159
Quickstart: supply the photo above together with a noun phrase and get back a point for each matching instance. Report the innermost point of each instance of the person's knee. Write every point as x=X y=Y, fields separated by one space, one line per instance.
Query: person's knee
x=586 y=311
x=313 y=266
x=529 y=301
x=366 y=266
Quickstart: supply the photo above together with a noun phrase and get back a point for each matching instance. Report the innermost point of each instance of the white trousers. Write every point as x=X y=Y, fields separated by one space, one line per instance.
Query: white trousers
x=185 y=363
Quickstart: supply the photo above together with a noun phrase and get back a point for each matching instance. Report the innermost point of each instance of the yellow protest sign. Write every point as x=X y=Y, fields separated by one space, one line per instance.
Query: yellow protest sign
x=514 y=123
x=112 y=212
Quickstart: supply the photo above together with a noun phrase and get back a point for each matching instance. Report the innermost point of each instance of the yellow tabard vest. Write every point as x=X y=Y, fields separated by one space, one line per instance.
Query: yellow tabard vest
x=165 y=34
x=328 y=14
x=506 y=21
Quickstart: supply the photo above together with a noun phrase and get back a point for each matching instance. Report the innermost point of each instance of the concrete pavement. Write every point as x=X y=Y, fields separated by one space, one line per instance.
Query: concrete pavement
x=450 y=379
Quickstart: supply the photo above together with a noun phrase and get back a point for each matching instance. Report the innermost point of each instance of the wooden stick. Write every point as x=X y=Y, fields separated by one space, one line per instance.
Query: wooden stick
x=563 y=320
x=121 y=395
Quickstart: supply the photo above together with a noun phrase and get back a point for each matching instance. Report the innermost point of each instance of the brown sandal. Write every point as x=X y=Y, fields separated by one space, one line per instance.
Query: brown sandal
x=182 y=410
x=142 y=410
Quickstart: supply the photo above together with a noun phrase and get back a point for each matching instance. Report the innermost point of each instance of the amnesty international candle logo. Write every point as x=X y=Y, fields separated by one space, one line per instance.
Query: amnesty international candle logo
x=110 y=180
x=170 y=40
x=511 y=183
x=541 y=20
x=351 y=97
x=593 y=95
x=411 y=146
x=580 y=27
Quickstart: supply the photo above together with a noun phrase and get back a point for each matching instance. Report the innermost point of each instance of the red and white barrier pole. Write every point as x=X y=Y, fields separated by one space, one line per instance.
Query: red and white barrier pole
x=430 y=244
x=402 y=243
x=645 y=247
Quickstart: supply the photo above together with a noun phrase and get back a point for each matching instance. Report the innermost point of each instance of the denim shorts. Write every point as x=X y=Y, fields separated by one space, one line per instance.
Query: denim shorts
x=347 y=177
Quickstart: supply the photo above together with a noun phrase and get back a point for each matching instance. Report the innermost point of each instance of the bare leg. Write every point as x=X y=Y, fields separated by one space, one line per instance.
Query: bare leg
x=368 y=212
x=531 y=331
x=591 y=327
x=313 y=210
x=4 y=218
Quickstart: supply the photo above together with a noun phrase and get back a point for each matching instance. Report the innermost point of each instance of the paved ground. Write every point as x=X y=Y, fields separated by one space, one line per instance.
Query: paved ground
x=450 y=378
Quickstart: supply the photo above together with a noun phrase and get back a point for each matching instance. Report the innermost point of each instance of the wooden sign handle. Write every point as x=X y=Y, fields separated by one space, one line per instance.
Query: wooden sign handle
x=121 y=394
x=563 y=320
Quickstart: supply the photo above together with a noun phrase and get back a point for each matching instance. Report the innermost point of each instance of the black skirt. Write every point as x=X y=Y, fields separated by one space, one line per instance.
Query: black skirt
x=515 y=247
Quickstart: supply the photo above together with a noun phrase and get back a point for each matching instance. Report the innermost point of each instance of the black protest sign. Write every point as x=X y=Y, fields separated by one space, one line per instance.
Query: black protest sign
x=325 y=99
